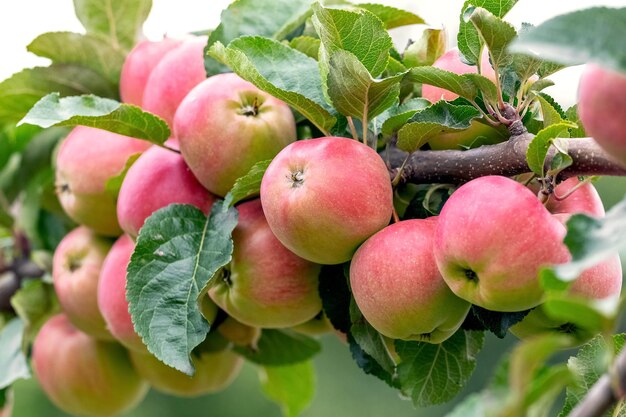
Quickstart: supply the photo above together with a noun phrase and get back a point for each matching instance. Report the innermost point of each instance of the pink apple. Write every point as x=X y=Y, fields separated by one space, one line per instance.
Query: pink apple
x=584 y=200
x=83 y=376
x=87 y=158
x=324 y=197
x=225 y=125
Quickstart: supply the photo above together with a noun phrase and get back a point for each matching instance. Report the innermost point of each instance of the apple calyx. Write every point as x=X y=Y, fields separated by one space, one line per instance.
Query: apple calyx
x=250 y=108
x=296 y=178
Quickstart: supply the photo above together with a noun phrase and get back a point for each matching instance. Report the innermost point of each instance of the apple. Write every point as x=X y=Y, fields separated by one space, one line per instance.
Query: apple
x=87 y=158
x=138 y=65
x=238 y=333
x=225 y=125
x=265 y=284
x=163 y=170
x=75 y=272
x=398 y=288
x=83 y=376
x=174 y=76
x=317 y=326
x=584 y=200
x=602 y=108
x=324 y=197
x=492 y=238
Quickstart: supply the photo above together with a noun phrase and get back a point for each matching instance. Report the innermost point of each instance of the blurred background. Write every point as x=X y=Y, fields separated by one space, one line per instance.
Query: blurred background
x=342 y=389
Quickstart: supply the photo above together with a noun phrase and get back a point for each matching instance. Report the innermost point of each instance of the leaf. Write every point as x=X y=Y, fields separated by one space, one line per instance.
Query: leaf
x=98 y=112
x=13 y=363
x=447 y=80
x=308 y=45
x=486 y=87
x=354 y=92
x=588 y=316
x=551 y=110
x=497 y=323
x=250 y=184
x=548 y=68
x=494 y=32
x=576 y=38
x=396 y=116
x=391 y=16
x=291 y=386
x=114 y=184
x=281 y=71
x=178 y=252
x=433 y=374
x=427 y=49
x=525 y=66
x=34 y=303
x=468 y=40
x=280 y=347
x=118 y=21
x=335 y=295
x=369 y=365
x=370 y=340
x=85 y=50
x=541 y=84
x=538 y=148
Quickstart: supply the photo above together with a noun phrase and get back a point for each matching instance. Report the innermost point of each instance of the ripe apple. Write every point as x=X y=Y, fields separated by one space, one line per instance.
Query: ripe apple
x=602 y=108
x=83 y=376
x=398 y=288
x=492 y=238
x=75 y=272
x=324 y=197
x=584 y=199
x=225 y=125
x=138 y=65
x=265 y=284
x=87 y=158
x=173 y=77
x=162 y=170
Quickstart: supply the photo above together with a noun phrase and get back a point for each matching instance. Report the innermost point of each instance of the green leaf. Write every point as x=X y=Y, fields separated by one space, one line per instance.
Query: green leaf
x=114 y=184
x=541 y=84
x=586 y=315
x=551 y=110
x=20 y=92
x=178 y=252
x=450 y=81
x=579 y=37
x=35 y=303
x=468 y=39
x=335 y=295
x=98 y=112
x=290 y=386
x=280 y=347
x=281 y=71
x=538 y=148
x=494 y=32
x=118 y=21
x=433 y=374
x=308 y=45
x=354 y=92
x=572 y=115
x=427 y=49
x=525 y=66
x=370 y=340
x=548 y=68
x=392 y=119
x=86 y=50
x=250 y=184
x=13 y=363
x=369 y=365
x=496 y=322
x=486 y=87
x=391 y=16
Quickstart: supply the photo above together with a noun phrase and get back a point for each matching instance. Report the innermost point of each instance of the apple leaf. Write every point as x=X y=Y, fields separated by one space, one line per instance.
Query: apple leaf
x=541 y=85
x=98 y=112
x=494 y=32
x=548 y=68
x=427 y=49
x=588 y=316
x=280 y=347
x=525 y=66
x=283 y=72
x=34 y=303
x=370 y=340
x=447 y=80
x=13 y=362
x=308 y=45
x=118 y=21
x=290 y=386
x=391 y=16
x=178 y=252
x=485 y=86
x=433 y=374
x=468 y=39
x=496 y=322
x=250 y=184
x=538 y=148
x=572 y=115
x=114 y=184
x=392 y=119
x=335 y=294
x=369 y=365
x=578 y=37
x=551 y=110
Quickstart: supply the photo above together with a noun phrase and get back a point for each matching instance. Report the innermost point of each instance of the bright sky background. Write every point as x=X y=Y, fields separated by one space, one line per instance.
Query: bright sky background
x=21 y=21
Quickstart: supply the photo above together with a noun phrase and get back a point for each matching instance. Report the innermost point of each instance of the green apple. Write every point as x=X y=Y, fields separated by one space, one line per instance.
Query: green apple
x=317 y=326
x=238 y=333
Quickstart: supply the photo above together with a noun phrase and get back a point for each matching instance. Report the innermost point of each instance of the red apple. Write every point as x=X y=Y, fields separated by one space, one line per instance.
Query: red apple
x=584 y=200
x=225 y=125
x=265 y=285
x=83 y=376
x=87 y=158
x=398 y=288
x=324 y=197
x=162 y=170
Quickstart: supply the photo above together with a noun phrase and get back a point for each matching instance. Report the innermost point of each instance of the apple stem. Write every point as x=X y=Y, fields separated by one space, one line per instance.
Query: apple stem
x=572 y=190
x=169 y=148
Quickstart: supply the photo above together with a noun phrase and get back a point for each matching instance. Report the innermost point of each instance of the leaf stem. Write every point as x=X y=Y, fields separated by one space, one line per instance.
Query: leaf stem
x=353 y=128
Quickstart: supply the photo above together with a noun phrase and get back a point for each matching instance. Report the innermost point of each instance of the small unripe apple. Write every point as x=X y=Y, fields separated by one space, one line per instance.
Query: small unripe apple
x=398 y=288
x=225 y=125
x=83 y=376
x=265 y=284
x=138 y=65
x=87 y=158
x=324 y=197
x=158 y=178
x=602 y=108
x=75 y=272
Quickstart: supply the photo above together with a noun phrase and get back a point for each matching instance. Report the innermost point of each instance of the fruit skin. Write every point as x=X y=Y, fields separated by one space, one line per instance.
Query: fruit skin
x=492 y=238
x=158 y=178
x=324 y=197
x=173 y=77
x=75 y=272
x=87 y=158
x=225 y=125
x=238 y=333
x=138 y=65
x=317 y=326
x=267 y=286
x=584 y=200
x=602 y=108
x=83 y=376
x=398 y=288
